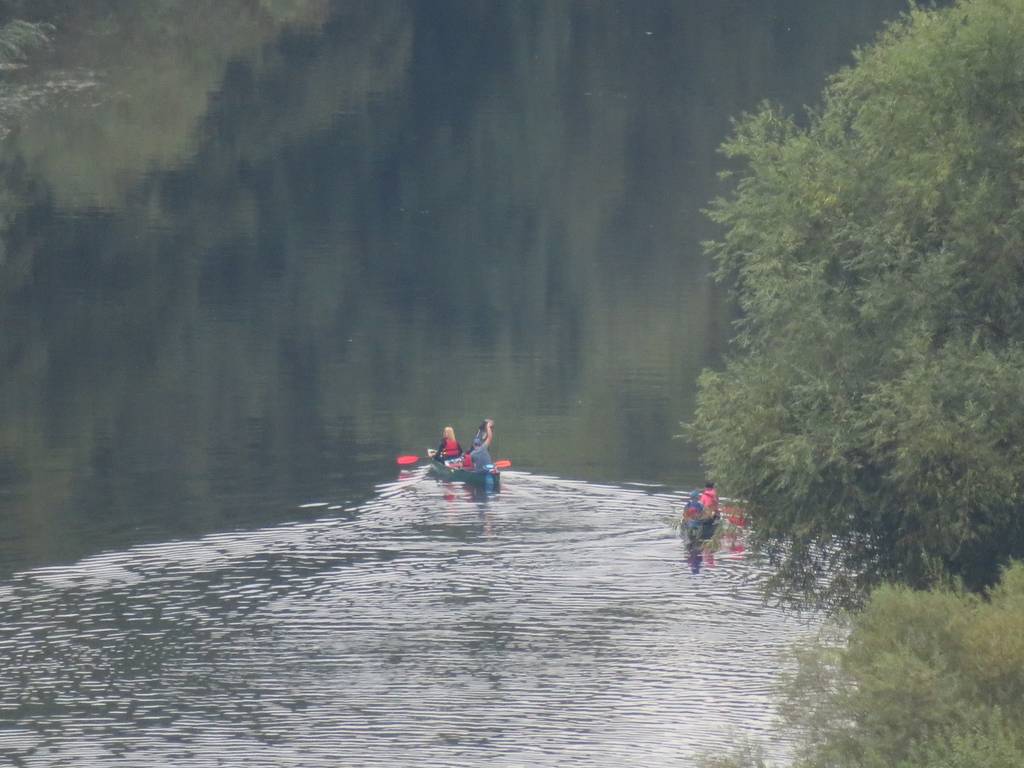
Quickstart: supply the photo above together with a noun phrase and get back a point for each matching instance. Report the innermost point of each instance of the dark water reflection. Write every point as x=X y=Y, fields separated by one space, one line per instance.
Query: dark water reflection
x=554 y=623
x=238 y=268
x=251 y=252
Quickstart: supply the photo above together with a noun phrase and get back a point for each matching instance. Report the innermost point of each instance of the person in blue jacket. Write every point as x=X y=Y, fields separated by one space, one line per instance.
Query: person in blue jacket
x=479 y=457
x=693 y=512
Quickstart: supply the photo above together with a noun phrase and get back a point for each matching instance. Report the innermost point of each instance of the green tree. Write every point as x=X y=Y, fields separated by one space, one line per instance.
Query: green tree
x=924 y=679
x=871 y=415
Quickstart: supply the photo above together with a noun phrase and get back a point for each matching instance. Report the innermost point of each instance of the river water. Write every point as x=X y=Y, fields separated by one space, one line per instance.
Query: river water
x=252 y=252
x=555 y=623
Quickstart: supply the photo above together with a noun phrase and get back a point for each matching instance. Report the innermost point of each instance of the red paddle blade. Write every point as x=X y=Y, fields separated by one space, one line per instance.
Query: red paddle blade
x=502 y=464
x=403 y=460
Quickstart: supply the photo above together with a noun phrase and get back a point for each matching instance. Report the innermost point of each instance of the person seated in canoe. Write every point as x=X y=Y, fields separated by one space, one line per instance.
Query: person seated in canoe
x=479 y=457
x=709 y=516
x=701 y=514
x=709 y=498
x=449 y=447
x=693 y=512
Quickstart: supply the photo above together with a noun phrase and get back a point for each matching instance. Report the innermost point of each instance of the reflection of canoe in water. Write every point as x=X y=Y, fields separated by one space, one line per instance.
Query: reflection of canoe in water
x=488 y=479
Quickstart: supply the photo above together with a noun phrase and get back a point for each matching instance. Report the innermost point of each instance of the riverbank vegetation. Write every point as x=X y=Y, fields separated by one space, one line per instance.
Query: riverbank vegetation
x=926 y=679
x=871 y=413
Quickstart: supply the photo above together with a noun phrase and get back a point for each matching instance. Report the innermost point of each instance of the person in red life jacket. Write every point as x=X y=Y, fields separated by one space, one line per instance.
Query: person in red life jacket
x=709 y=498
x=449 y=447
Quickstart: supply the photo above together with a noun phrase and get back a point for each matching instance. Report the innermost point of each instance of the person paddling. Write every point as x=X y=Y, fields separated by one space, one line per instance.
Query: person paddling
x=693 y=512
x=709 y=499
x=700 y=515
x=449 y=447
x=479 y=456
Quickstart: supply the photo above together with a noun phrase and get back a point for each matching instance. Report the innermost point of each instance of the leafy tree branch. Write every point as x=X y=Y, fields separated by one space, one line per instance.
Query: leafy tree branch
x=870 y=414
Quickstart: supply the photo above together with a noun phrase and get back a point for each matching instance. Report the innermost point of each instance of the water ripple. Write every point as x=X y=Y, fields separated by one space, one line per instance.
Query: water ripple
x=554 y=623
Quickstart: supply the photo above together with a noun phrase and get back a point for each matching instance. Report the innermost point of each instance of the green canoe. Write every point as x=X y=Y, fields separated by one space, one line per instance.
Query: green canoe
x=488 y=479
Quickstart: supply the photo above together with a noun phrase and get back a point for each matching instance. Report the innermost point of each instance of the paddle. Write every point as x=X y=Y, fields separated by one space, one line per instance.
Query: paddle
x=404 y=460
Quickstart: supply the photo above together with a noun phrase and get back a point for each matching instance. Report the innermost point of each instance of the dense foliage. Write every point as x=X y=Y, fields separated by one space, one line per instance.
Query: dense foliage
x=927 y=680
x=872 y=415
